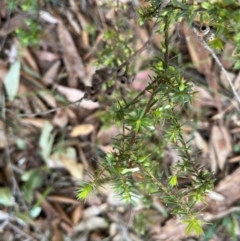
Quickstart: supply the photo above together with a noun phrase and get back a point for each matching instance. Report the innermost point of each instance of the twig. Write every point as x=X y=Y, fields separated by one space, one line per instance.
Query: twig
x=211 y=217
x=52 y=110
x=18 y=230
x=210 y=50
x=164 y=3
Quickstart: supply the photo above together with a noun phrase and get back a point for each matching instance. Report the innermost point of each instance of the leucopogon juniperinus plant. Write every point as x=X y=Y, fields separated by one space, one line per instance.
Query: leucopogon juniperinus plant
x=134 y=169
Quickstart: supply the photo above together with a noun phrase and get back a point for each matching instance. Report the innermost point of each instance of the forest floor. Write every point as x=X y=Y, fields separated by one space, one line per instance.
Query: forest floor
x=50 y=141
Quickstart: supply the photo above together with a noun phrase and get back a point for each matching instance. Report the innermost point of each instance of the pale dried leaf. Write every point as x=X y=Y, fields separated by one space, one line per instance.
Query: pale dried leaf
x=71 y=94
x=73 y=23
x=61 y=199
x=75 y=169
x=57 y=234
x=227 y=60
x=91 y=224
x=213 y=158
x=142 y=79
x=62 y=212
x=3 y=72
x=50 y=76
x=237 y=82
x=91 y=211
x=72 y=60
x=37 y=122
x=76 y=215
x=200 y=143
x=46 y=56
x=48 y=98
x=30 y=60
x=203 y=98
x=221 y=142
x=82 y=130
x=61 y=118
x=49 y=210
x=46 y=16
x=106 y=134
x=12 y=53
x=74 y=95
x=224 y=79
x=234 y=159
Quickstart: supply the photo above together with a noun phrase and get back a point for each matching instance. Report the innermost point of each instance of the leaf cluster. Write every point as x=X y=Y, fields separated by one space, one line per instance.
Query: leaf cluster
x=132 y=168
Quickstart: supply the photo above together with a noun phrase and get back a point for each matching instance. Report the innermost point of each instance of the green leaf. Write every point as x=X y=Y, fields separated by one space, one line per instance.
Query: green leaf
x=46 y=140
x=33 y=180
x=6 y=198
x=11 y=81
x=206 y=5
x=217 y=44
x=237 y=65
x=194 y=225
x=173 y=181
x=35 y=211
x=85 y=191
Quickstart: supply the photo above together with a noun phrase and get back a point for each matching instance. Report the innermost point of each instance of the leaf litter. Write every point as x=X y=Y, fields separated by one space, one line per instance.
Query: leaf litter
x=60 y=146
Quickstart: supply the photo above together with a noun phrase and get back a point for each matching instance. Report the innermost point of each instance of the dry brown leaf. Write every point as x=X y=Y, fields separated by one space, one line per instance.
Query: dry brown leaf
x=91 y=224
x=74 y=95
x=47 y=207
x=48 y=98
x=229 y=188
x=50 y=76
x=61 y=199
x=60 y=118
x=237 y=82
x=30 y=60
x=96 y=42
x=91 y=211
x=221 y=142
x=72 y=60
x=37 y=122
x=227 y=59
x=200 y=57
x=3 y=9
x=12 y=53
x=2 y=134
x=106 y=134
x=234 y=159
x=46 y=16
x=200 y=143
x=76 y=215
x=3 y=72
x=82 y=130
x=202 y=61
x=46 y=56
x=173 y=230
x=73 y=23
x=83 y=22
x=203 y=98
x=18 y=21
x=75 y=169
x=57 y=234
x=62 y=212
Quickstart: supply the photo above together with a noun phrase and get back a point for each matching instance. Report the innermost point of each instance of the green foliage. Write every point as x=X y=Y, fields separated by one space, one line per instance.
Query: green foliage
x=11 y=81
x=31 y=32
x=136 y=166
x=29 y=35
